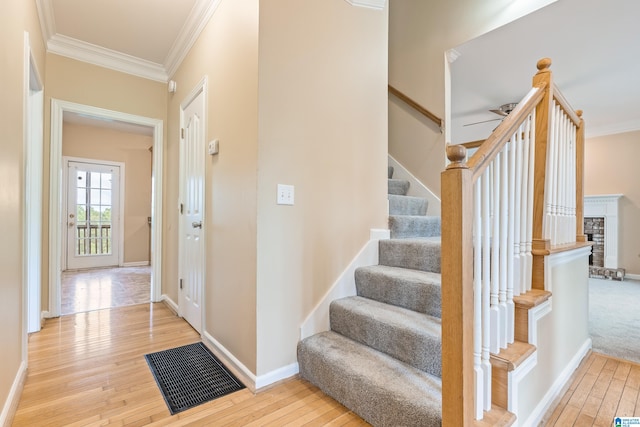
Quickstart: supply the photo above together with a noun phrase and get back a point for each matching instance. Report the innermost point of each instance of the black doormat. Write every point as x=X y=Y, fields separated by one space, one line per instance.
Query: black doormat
x=190 y=375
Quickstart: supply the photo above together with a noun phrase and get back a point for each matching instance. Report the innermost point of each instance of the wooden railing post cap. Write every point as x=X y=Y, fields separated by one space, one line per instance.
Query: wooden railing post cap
x=543 y=65
x=456 y=154
x=579 y=113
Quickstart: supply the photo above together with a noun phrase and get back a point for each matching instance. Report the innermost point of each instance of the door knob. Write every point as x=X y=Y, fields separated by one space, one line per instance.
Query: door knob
x=196 y=224
x=71 y=224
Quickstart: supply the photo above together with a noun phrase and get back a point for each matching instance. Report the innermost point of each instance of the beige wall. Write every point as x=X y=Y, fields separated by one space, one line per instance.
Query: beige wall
x=227 y=54
x=79 y=82
x=132 y=149
x=611 y=168
x=310 y=110
x=420 y=32
x=17 y=17
x=322 y=128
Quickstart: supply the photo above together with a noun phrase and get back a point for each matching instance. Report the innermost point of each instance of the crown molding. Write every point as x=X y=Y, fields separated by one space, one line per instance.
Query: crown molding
x=371 y=4
x=452 y=55
x=47 y=21
x=69 y=47
x=86 y=52
x=198 y=18
x=629 y=126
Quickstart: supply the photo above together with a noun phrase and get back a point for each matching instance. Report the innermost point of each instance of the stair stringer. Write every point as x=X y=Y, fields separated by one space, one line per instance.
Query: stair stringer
x=508 y=368
x=345 y=285
x=416 y=188
x=567 y=270
x=515 y=376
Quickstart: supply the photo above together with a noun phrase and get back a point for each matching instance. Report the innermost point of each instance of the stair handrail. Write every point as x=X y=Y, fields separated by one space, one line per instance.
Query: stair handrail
x=532 y=118
x=416 y=106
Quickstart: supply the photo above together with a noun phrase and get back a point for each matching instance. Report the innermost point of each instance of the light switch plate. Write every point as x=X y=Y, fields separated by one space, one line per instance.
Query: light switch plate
x=214 y=146
x=285 y=194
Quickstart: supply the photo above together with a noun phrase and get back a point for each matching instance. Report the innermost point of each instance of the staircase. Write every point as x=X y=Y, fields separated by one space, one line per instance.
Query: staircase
x=382 y=356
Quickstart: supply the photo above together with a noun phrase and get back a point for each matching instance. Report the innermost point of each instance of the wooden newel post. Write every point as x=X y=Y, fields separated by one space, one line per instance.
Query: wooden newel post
x=543 y=79
x=457 y=291
x=580 y=236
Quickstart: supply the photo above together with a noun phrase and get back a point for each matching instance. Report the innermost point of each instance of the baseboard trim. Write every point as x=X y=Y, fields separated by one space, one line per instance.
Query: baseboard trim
x=136 y=264
x=11 y=404
x=632 y=276
x=558 y=387
x=277 y=375
x=230 y=361
x=170 y=303
x=318 y=320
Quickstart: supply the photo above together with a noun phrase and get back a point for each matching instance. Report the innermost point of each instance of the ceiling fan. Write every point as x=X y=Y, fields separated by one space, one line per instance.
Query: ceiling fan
x=502 y=110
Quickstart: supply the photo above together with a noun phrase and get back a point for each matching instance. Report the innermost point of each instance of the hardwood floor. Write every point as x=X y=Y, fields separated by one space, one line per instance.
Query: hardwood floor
x=98 y=288
x=88 y=369
x=601 y=388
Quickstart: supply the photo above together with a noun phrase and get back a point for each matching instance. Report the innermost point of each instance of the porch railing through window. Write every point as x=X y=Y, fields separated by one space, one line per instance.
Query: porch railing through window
x=93 y=239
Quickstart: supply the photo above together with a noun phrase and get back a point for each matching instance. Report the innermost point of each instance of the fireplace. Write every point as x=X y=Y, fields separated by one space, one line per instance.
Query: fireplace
x=601 y=228
x=594 y=229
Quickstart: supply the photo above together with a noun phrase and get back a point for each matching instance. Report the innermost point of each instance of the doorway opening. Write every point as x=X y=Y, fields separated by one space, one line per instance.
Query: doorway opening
x=58 y=223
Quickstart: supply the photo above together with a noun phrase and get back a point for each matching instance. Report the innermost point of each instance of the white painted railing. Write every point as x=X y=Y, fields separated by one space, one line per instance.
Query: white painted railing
x=502 y=227
x=560 y=191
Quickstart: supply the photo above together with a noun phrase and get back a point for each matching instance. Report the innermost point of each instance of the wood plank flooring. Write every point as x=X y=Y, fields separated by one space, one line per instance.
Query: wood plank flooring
x=98 y=288
x=601 y=388
x=88 y=369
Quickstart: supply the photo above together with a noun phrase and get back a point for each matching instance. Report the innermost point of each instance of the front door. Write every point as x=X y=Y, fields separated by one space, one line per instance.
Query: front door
x=92 y=215
x=192 y=247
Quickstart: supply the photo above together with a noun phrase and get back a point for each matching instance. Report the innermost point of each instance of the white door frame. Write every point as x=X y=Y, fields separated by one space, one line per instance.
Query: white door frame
x=32 y=228
x=121 y=199
x=58 y=108
x=201 y=87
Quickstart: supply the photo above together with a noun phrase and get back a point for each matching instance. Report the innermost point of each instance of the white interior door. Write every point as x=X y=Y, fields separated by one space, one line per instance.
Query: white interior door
x=192 y=245
x=93 y=215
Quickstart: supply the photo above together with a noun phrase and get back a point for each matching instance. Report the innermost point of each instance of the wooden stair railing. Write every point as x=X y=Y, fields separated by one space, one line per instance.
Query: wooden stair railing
x=505 y=180
x=419 y=108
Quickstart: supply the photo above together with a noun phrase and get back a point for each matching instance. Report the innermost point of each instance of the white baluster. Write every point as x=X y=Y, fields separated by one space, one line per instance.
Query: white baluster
x=547 y=221
x=517 y=285
x=486 y=285
x=505 y=320
x=574 y=181
x=532 y=151
x=524 y=208
x=510 y=238
x=494 y=169
x=562 y=170
x=477 y=300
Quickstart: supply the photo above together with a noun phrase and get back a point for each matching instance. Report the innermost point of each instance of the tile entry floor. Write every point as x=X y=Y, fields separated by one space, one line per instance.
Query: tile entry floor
x=94 y=289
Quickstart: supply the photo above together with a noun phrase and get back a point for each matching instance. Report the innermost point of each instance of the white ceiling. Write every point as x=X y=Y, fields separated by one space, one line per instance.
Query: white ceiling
x=594 y=46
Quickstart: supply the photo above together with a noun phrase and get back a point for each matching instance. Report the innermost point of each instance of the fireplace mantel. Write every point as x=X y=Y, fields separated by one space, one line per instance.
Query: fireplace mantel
x=606 y=206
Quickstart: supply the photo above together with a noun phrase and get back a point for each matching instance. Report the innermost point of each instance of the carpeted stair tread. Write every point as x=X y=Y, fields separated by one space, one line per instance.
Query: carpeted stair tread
x=398 y=186
x=418 y=253
x=377 y=387
x=409 y=336
x=405 y=226
x=412 y=289
x=407 y=205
